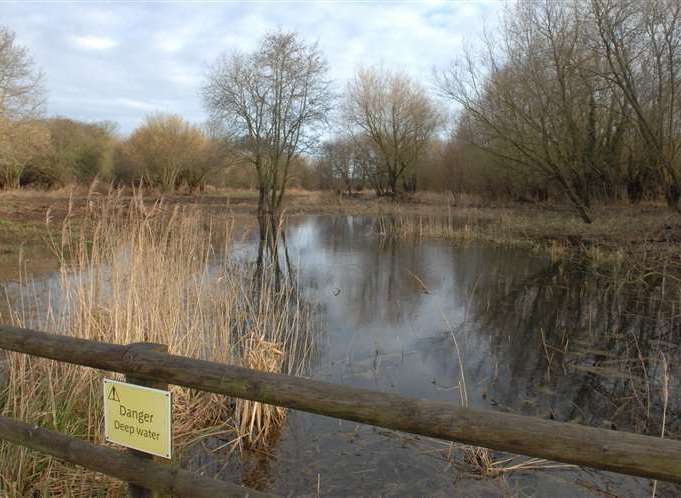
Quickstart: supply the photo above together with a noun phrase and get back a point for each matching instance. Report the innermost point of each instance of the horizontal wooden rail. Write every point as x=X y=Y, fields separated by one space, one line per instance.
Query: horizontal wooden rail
x=124 y=466
x=615 y=451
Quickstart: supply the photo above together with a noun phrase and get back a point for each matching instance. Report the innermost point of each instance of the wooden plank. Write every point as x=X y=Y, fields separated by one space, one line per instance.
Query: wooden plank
x=615 y=451
x=141 y=472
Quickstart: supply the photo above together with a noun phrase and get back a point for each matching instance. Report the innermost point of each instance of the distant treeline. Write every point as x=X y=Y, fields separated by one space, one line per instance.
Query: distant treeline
x=165 y=153
x=575 y=101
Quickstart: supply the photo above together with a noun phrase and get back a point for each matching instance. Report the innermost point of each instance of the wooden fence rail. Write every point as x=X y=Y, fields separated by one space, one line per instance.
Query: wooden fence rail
x=130 y=468
x=615 y=451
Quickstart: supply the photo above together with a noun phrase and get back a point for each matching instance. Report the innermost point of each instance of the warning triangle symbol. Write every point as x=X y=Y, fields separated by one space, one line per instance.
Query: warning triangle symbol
x=113 y=395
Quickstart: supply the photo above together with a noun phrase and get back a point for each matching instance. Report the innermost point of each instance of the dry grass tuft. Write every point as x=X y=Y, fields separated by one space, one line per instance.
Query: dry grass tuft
x=132 y=273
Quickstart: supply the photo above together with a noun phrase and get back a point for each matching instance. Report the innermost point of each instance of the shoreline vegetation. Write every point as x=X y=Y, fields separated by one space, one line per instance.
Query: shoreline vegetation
x=135 y=266
x=131 y=272
x=643 y=235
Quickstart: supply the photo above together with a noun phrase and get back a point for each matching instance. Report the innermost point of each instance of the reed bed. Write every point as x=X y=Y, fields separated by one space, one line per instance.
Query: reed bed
x=403 y=226
x=131 y=272
x=467 y=225
x=609 y=241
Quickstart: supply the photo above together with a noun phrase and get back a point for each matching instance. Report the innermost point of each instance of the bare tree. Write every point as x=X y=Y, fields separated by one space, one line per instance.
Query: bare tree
x=341 y=160
x=534 y=99
x=641 y=42
x=22 y=139
x=395 y=115
x=21 y=84
x=273 y=101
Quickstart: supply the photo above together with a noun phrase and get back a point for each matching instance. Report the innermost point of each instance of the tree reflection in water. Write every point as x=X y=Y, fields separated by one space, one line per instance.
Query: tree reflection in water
x=593 y=344
x=542 y=338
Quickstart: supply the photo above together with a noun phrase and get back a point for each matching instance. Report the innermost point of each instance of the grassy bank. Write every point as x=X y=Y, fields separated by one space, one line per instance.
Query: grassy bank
x=132 y=271
x=632 y=245
x=616 y=227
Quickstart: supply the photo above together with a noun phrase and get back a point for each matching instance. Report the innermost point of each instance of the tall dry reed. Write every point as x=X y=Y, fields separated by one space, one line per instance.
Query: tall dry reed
x=132 y=272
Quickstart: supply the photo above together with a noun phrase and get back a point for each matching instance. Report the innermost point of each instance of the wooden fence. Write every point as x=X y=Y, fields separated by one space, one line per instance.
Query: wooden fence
x=616 y=451
x=135 y=470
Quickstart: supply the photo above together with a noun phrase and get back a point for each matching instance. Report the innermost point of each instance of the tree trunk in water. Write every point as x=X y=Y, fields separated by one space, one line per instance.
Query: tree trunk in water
x=262 y=232
x=274 y=248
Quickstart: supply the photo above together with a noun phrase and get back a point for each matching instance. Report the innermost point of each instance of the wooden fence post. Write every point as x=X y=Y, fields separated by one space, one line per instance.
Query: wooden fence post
x=135 y=491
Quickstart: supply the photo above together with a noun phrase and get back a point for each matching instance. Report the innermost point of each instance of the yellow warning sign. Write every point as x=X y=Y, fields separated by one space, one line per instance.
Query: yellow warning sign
x=138 y=417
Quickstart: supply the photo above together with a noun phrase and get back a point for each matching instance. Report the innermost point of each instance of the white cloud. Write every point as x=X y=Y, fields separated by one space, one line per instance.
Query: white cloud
x=169 y=44
x=184 y=76
x=156 y=55
x=136 y=104
x=91 y=42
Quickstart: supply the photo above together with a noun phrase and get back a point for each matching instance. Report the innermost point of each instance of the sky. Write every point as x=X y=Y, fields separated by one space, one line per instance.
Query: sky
x=119 y=61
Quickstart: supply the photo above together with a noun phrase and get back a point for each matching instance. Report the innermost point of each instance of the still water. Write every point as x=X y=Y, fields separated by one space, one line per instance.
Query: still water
x=550 y=339
x=535 y=337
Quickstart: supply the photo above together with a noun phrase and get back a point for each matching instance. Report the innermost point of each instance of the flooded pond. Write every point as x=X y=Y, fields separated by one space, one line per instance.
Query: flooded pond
x=536 y=337
x=532 y=336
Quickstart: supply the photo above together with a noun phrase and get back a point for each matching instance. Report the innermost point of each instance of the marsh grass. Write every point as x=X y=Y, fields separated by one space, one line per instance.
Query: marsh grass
x=467 y=225
x=131 y=272
x=621 y=235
